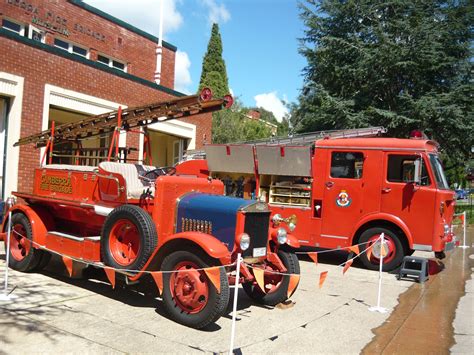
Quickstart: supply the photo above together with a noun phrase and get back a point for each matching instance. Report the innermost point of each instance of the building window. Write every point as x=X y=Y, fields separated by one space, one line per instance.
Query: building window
x=35 y=34
x=71 y=48
x=111 y=62
x=347 y=165
x=13 y=26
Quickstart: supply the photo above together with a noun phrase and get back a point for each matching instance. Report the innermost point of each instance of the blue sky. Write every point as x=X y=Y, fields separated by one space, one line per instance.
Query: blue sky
x=260 y=39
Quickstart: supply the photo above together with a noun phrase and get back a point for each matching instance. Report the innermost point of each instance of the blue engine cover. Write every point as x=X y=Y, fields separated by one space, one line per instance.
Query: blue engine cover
x=218 y=212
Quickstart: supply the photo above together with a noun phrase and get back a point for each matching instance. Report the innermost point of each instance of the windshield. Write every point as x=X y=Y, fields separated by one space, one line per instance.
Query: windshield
x=438 y=172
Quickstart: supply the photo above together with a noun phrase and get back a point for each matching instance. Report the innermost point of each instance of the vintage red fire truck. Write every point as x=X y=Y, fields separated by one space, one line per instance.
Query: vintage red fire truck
x=344 y=191
x=138 y=219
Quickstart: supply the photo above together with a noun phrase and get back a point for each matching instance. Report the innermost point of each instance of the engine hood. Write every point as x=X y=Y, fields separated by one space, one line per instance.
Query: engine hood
x=213 y=214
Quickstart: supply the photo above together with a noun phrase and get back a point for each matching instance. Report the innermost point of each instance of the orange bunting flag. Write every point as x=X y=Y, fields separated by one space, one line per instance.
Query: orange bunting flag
x=259 y=277
x=347 y=266
x=354 y=249
x=68 y=263
x=322 y=278
x=294 y=281
x=314 y=256
x=214 y=274
x=110 y=275
x=369 y=251
x=158 y=277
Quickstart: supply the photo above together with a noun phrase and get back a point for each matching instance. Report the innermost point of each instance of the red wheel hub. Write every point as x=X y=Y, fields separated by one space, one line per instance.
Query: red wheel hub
x=189 y=287
x=124 y=242
x=389 y=246
x=19 y=243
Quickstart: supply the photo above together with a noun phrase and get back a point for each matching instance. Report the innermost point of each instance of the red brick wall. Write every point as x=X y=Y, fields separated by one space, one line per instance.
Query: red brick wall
x=112 y=40
x=39 y=67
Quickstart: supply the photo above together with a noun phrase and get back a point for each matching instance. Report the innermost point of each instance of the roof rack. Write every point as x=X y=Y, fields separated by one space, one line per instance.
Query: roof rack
x=310 y=138
x=128 y=118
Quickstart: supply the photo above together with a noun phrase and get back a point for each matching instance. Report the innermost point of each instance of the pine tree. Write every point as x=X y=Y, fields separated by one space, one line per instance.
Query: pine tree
x=214 y=73
x=402 y=64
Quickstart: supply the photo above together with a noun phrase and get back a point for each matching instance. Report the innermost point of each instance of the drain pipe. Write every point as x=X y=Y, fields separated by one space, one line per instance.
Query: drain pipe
x=159 y=48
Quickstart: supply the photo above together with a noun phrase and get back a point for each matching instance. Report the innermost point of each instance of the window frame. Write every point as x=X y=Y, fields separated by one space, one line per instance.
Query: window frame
x=71 y=46
x=346 y=152
x=32 y=28
x=111 y=60
x=406 y=156
x=22 y=26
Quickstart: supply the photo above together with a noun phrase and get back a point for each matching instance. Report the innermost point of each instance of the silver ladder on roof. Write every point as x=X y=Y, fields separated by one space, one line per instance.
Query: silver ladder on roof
x=310 y=138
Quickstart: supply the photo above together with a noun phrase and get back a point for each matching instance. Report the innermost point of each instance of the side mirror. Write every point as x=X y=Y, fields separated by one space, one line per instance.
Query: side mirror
x=417 y=177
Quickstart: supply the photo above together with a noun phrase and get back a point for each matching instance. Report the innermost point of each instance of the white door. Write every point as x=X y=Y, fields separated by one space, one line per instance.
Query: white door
x=3 y=126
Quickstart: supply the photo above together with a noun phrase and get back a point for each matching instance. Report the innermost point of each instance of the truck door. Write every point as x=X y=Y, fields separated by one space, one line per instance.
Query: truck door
x=401 y=197
x=342 y=197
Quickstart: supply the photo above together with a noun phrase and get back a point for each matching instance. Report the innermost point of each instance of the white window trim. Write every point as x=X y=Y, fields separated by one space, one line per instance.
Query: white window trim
x=22 y=31
x=32 y=28
x=77 y=101
x=12 y=86
x=111 y=59
x=70 y=47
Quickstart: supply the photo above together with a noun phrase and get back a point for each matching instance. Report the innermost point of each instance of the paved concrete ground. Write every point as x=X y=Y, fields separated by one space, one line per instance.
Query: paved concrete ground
x=56 y=314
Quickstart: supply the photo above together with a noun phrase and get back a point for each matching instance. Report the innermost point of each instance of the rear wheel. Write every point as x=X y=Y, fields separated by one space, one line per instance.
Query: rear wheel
x=128 y=238
x=189 y=296
x=392 y=245
x=276 y=285
x=23 y=256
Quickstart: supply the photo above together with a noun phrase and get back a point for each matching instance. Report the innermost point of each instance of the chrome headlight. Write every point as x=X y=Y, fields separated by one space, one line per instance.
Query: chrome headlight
x=281 y=236
x=291 y=226
x=276 y=219
x=446 y=229
x=244 y=241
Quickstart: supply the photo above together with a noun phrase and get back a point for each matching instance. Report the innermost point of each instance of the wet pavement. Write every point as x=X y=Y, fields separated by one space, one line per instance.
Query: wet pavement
x=423 y=322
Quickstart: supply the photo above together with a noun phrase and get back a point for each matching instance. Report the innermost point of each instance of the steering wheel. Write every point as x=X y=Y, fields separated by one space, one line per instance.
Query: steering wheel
x=164 y=170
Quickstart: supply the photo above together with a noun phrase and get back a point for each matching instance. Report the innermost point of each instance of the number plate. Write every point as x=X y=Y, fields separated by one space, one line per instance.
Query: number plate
x=259 y=252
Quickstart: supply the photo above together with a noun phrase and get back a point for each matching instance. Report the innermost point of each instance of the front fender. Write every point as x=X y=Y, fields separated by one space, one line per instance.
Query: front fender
x=388 y=218
x=210 y=244
x=38 y=226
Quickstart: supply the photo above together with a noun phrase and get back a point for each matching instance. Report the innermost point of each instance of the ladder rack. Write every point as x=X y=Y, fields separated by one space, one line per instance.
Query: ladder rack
x=310 y=138
x=128 y=118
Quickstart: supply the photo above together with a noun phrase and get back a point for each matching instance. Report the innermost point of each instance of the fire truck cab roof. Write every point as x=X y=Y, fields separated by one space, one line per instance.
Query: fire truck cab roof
x=380 y=144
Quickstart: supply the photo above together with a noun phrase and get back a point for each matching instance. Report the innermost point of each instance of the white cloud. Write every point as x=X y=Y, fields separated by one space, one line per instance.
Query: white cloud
x=144 y=14
x=218 y=13
x=182 y=75
x=271 y=102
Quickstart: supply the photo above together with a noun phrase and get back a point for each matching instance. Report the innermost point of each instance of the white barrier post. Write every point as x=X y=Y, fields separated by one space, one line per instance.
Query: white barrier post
x=464 y=230
x=378 y=308
x=5 y=296
x=234 y=307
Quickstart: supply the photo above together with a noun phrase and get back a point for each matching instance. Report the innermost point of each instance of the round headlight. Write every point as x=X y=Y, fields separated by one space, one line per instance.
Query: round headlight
x=291 y=226
x=281 y=235
x=244 y=242
x=276 y=219
x=446 y=229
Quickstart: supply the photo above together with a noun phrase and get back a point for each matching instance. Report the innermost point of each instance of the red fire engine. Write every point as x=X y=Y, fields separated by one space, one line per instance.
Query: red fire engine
x=138 y=219
x=344 y=189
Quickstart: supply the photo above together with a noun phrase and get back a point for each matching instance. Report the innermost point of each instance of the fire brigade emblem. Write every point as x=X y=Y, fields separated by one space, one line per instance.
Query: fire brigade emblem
x=343 y=200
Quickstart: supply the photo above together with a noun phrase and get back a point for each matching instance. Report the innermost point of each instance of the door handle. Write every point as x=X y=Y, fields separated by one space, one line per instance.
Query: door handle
x=386 y=190
x=329 y=184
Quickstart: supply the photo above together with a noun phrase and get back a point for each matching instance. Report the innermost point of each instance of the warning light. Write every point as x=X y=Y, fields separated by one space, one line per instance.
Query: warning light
x=416 y=134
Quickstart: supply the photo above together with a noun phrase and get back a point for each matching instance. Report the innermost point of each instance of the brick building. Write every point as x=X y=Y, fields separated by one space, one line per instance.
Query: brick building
x=63 y=60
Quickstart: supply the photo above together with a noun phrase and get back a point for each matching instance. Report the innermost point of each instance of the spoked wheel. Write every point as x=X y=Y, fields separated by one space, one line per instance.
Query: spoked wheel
x=394 y=251
x=276 y=285
x=189 y=296
x=23 y=256
x=128 y=238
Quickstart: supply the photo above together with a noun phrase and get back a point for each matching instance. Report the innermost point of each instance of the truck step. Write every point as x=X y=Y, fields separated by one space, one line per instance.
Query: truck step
x=68 y=236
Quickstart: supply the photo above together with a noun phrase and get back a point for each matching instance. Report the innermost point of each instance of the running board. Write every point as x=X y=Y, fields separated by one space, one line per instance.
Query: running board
x=82 y=248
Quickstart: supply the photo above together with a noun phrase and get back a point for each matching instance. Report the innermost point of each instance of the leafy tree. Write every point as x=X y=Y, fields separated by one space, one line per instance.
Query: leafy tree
x=402 y=64
x=214 y=72
x=232 y=125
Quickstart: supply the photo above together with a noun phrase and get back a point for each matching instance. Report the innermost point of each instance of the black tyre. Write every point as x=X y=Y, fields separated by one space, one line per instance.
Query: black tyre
x=44 y=260
x=128 y=238
x=277 y=285
x=394 y=248
x=23 y=256
x=189 y=296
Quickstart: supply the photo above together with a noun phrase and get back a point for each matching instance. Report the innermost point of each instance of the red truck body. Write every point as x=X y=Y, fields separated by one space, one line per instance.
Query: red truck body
x=347 y=191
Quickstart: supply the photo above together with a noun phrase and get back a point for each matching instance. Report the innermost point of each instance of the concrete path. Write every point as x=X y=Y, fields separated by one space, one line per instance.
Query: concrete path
x=55 y=314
